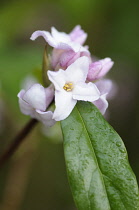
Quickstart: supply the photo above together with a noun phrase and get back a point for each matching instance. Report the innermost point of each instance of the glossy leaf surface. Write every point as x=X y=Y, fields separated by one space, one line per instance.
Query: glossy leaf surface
x=99 y=173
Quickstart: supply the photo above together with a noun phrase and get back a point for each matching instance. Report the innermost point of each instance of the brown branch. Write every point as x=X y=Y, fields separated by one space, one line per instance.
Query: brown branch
x=17 y=141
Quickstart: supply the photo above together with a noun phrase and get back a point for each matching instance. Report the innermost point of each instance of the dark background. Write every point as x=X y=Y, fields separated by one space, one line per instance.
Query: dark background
x=35 y=178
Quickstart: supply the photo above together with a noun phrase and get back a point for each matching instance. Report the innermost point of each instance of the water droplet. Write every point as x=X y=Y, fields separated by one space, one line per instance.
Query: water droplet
x=122 y=150
x=118 y=144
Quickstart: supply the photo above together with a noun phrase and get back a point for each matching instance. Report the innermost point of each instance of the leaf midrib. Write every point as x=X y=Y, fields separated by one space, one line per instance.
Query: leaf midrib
x=94 y=155
x=103 y=175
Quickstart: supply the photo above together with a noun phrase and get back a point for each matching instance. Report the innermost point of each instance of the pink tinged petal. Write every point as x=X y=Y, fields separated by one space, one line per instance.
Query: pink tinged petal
x=86 y=47
x=74 y=58
x=46 y=35
x=77 y=55
x=57 y=78
x=76 y=47
x=50 y=40
x=94 y=70
x=64 y=105
x=107 y=86
x=60 y=36
x=58 y=40
x=86 y=92
x=77 y=71
x=101 y=104
x=65 y=42
x=70 y=46
x=45 y=117
x=56 y=54
x=36 y=97
x=67 y=46
x=99 y=68
x=104 y=85
x=84 y=53
x=21 y=94
x=25 y=108
x=66 y=57
x=78 y=35
x=107 y=64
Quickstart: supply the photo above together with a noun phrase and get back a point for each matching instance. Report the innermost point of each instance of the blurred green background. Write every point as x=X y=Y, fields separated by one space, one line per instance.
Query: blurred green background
x=35 y=177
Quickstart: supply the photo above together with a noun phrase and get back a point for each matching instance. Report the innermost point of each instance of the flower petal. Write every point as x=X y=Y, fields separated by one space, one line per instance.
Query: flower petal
x=47 y=36
x=56 y=54
x=104 y=85
x=86 y=92
x=76 y=56
x=78 y=35
x=64 y=41
x=94 y=70
x=107 y=86
x=99 y=68
x=57 y=78
x=64 y=105
x=101 y=103
x=107 y=64
x=25 y=108
x=36 y=97
x=66 y=57
x=107 y=90
x=77 y=71
x=45 y=117
x=60 y=36
x=51 y=40
x=76 y=47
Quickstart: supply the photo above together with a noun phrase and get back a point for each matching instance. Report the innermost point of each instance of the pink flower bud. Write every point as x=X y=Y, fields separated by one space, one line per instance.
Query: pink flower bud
x=99 y=68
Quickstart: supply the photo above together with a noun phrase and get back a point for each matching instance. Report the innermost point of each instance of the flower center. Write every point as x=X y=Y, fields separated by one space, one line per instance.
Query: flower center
x=68 y=86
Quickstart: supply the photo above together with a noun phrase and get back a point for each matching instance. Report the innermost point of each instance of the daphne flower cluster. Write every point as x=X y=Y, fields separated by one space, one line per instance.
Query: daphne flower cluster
x=74 y=76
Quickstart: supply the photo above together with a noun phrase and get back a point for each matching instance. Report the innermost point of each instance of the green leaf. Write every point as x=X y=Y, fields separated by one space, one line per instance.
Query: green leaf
x=99 y=173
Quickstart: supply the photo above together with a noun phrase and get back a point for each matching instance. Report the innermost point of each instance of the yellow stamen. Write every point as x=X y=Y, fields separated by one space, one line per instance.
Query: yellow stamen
x=68 y=86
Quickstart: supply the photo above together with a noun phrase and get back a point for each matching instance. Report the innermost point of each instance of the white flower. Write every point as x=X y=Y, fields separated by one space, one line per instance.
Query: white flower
x=61 y=40
x=70 y=86
x=35 y=101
